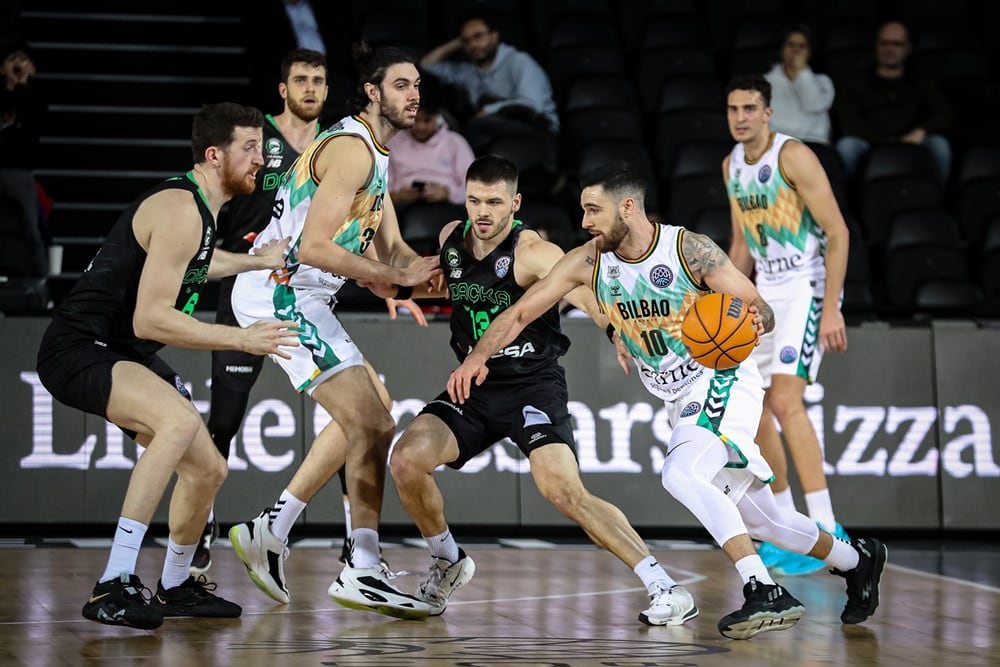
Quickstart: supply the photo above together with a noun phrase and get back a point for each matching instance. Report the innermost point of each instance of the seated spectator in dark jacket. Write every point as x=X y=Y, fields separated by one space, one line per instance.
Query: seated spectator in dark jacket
x=508 y=88
x=891 y=104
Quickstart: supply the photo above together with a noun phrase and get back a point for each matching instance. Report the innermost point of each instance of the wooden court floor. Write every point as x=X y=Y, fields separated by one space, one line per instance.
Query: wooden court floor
x=569 y=605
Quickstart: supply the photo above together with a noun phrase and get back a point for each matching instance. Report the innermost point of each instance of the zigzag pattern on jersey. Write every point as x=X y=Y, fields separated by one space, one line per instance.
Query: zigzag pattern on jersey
x=811 y=336
x=631 y=330
x=784 y=221
x=285 y=308
x=715 y=402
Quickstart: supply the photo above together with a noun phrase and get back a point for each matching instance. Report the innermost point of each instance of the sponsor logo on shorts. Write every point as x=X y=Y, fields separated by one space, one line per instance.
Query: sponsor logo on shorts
x=691 y=409
x=447 y=404
x=536 y=436
x=788 y=354
x=661 y=276
x=502 y=266
x=240 y=370
x=765 y=174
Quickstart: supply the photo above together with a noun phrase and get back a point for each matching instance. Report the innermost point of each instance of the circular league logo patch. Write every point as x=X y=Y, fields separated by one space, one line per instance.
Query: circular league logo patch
x=765 y=173
x=661 y=276
x=788 y=354
x=502 y=266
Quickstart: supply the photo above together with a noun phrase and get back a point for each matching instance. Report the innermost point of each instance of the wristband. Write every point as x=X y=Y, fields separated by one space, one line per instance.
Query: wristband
x=611 y=332
x=403 y=293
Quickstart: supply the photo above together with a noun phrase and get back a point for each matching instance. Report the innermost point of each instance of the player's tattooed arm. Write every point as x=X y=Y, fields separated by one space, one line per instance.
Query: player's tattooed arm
x=702 y=255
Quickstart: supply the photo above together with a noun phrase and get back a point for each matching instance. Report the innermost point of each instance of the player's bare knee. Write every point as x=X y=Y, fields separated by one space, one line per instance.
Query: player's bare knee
x=565 y=497
x=785 y=403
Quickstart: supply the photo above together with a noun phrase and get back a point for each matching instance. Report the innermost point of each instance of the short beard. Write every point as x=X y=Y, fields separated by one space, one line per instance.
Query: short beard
x=299 y=111
x=396 y=117
x=236 y=184
x=611 y=241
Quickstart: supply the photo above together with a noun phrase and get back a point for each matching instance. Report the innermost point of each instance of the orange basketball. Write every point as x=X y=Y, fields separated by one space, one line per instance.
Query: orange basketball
x=718 y=331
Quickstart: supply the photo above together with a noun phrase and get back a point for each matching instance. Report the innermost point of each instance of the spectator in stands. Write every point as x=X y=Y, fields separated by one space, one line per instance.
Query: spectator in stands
x=891 y=104
x=22 y=109
x=801 y=99
x=429 y=160
x=508 y=88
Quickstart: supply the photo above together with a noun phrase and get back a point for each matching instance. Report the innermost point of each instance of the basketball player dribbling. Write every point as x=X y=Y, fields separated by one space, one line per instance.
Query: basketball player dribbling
x=713 y=467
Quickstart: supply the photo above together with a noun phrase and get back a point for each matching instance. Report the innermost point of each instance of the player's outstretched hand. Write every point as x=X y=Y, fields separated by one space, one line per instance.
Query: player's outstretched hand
x=460 y=380
x=272 y=253
x=268 y=337
x=423 y=270
x=408 y=304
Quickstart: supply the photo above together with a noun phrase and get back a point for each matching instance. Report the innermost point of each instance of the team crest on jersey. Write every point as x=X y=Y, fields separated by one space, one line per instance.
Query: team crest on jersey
x=661 y=276
x=614 y=272
x=691 y=409
x=273 y=147
x=502 y=266
x=788 y=354
x=452 y=258
x=765 y=173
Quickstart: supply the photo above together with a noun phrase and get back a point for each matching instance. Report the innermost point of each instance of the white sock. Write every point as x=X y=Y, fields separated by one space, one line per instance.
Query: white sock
x=651 y=572
x=347 y=516
x=821 y=509
x=176 y=564
x=124 y=549
x=286 y=511
x=785 y=501
x=443 y=546
x=843 y=556
x=753 y=566
x=364 y=547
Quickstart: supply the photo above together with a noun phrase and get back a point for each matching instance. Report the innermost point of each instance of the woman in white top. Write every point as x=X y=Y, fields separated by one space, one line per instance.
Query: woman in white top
x=801 y=98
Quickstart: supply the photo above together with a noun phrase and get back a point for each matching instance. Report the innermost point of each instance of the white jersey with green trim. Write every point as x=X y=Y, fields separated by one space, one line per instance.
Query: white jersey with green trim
x=784 y=239
x=295 y=195
x=646 y=300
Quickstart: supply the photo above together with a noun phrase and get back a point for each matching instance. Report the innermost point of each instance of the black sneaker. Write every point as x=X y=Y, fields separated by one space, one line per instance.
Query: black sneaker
x=768 y=607
x=863 y=580
x=122 y=602
x=193 y=598
x=202 y=553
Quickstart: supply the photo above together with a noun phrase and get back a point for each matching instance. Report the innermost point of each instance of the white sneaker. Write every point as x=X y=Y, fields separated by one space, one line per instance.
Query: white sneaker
x=669 y=606
x=442 y=580
x=263 y=554
x=368 y=588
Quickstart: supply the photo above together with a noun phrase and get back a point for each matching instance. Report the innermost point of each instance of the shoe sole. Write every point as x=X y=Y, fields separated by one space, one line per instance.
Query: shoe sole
x=673 y=620
x=254 y=577
x=763 y=622
x=152 y=625
x=195 y=570
x=384 y=609
x=880 y=560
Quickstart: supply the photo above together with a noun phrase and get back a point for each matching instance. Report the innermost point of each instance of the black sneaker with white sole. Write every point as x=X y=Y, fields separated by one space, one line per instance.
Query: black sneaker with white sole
x=768 y=607
x=122 y=601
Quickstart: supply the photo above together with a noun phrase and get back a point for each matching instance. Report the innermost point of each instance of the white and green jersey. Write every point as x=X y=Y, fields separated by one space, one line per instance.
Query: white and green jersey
x=646 y=300
x=295 y=195
x=783 y=237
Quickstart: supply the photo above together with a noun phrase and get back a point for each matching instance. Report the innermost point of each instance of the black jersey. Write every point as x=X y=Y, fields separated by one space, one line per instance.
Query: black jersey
x=244 y=216
x=482 y=289
x=102 y=303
